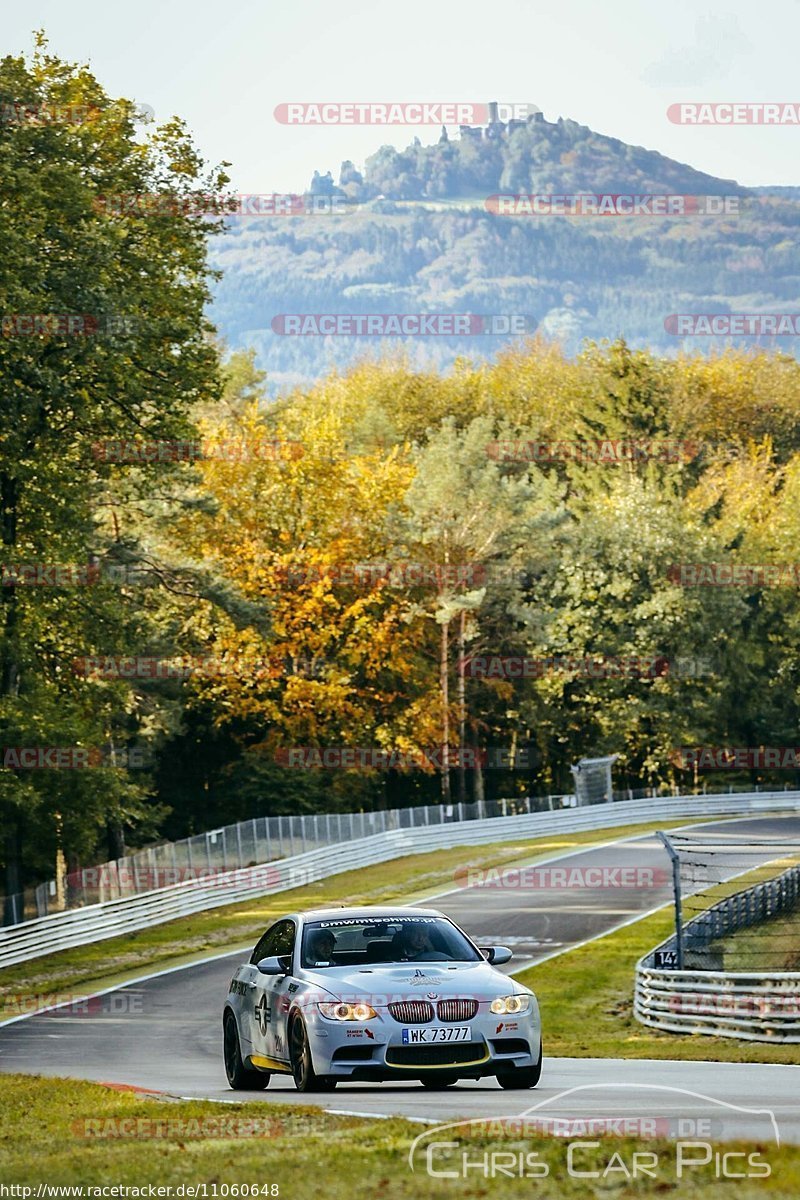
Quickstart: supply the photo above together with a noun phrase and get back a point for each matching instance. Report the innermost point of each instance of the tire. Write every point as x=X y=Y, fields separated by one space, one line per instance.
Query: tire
x=305 y=1077
x=435 y=1085
x=240 y=1077
x=521 y=1077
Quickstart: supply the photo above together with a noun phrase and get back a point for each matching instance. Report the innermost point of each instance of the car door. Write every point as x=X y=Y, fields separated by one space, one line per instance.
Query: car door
x=245 y=983
x=272 y=995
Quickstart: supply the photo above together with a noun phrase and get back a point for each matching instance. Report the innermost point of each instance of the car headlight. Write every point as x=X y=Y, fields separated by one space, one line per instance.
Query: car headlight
x=347 y=1012
x=509 y=1006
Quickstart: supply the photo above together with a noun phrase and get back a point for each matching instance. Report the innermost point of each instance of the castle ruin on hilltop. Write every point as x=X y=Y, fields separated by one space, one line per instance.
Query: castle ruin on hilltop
x=495 y=128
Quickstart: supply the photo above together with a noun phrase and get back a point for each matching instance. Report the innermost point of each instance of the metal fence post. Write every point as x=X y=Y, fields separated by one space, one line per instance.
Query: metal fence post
x=676 y=887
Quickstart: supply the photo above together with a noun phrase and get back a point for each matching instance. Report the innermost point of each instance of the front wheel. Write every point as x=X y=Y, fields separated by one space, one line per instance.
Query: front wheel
x=240 y=1077
x=521 y=1077
x=305 y=1077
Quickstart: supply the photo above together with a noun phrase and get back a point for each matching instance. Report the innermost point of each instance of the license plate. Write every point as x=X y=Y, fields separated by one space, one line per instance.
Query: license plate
x=454 y=1033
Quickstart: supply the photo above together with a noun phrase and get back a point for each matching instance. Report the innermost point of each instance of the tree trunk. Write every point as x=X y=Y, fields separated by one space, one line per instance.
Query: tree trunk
x=115 y=838
x=9 y=666
x=443 y=681
x=462 y=710
x=478 y=795
x=9 y=678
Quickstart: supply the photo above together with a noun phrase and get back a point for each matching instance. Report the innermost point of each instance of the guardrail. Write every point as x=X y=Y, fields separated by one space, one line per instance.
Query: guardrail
x=243 y=844
x=752 y=1005
x=98 y=922
x=261 y=840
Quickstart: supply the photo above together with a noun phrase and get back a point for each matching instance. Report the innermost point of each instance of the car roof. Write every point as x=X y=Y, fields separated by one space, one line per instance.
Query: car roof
x=366 y=912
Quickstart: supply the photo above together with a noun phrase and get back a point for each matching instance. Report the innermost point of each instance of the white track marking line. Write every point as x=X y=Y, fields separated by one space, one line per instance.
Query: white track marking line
x=118 y=987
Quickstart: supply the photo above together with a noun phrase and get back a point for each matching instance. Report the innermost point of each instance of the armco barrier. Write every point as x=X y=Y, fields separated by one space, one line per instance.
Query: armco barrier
x=262 y=840
x=97 y=922
x=752 y=1005
x=751 y=906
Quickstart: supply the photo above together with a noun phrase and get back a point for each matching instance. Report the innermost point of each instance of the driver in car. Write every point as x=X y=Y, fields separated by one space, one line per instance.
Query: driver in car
x=417 y=945
x=321 y=948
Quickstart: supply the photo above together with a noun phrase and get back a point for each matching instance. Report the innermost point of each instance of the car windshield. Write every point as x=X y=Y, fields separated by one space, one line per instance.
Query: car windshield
x=353 y=941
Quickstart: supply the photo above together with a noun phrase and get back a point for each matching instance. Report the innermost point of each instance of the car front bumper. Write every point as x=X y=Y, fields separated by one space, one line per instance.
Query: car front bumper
x=375 y=1049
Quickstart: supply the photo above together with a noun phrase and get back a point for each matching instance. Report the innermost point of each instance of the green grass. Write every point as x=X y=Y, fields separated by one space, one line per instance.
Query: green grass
x=313 y=1154
x=106 y=963
x=773 y=945
x=586 y=1000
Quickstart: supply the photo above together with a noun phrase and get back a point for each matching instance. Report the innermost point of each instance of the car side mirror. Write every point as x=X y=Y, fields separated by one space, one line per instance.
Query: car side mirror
x=497 y=955
x=273 y=965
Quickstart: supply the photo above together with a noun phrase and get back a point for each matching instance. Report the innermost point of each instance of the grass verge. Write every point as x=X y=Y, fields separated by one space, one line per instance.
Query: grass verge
x=309 y=1153
x=773 y=945
x=586 y=1000
x=104 y=964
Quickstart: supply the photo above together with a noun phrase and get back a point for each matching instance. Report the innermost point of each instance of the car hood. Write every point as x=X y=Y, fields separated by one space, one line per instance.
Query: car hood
x=380 y=984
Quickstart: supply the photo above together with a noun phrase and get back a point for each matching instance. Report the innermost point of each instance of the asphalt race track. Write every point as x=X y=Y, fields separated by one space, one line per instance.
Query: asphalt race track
x=164 y=1033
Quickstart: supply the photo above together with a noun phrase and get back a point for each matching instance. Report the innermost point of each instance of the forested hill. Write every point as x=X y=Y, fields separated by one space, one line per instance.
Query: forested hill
x=415 y=236
x=532 y=156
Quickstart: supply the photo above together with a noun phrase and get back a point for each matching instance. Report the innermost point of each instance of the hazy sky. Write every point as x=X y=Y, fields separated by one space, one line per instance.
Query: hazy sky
x=614 y=66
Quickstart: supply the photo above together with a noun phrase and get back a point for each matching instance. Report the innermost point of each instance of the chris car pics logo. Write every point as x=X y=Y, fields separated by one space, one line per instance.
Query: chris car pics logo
x=670 y=1134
